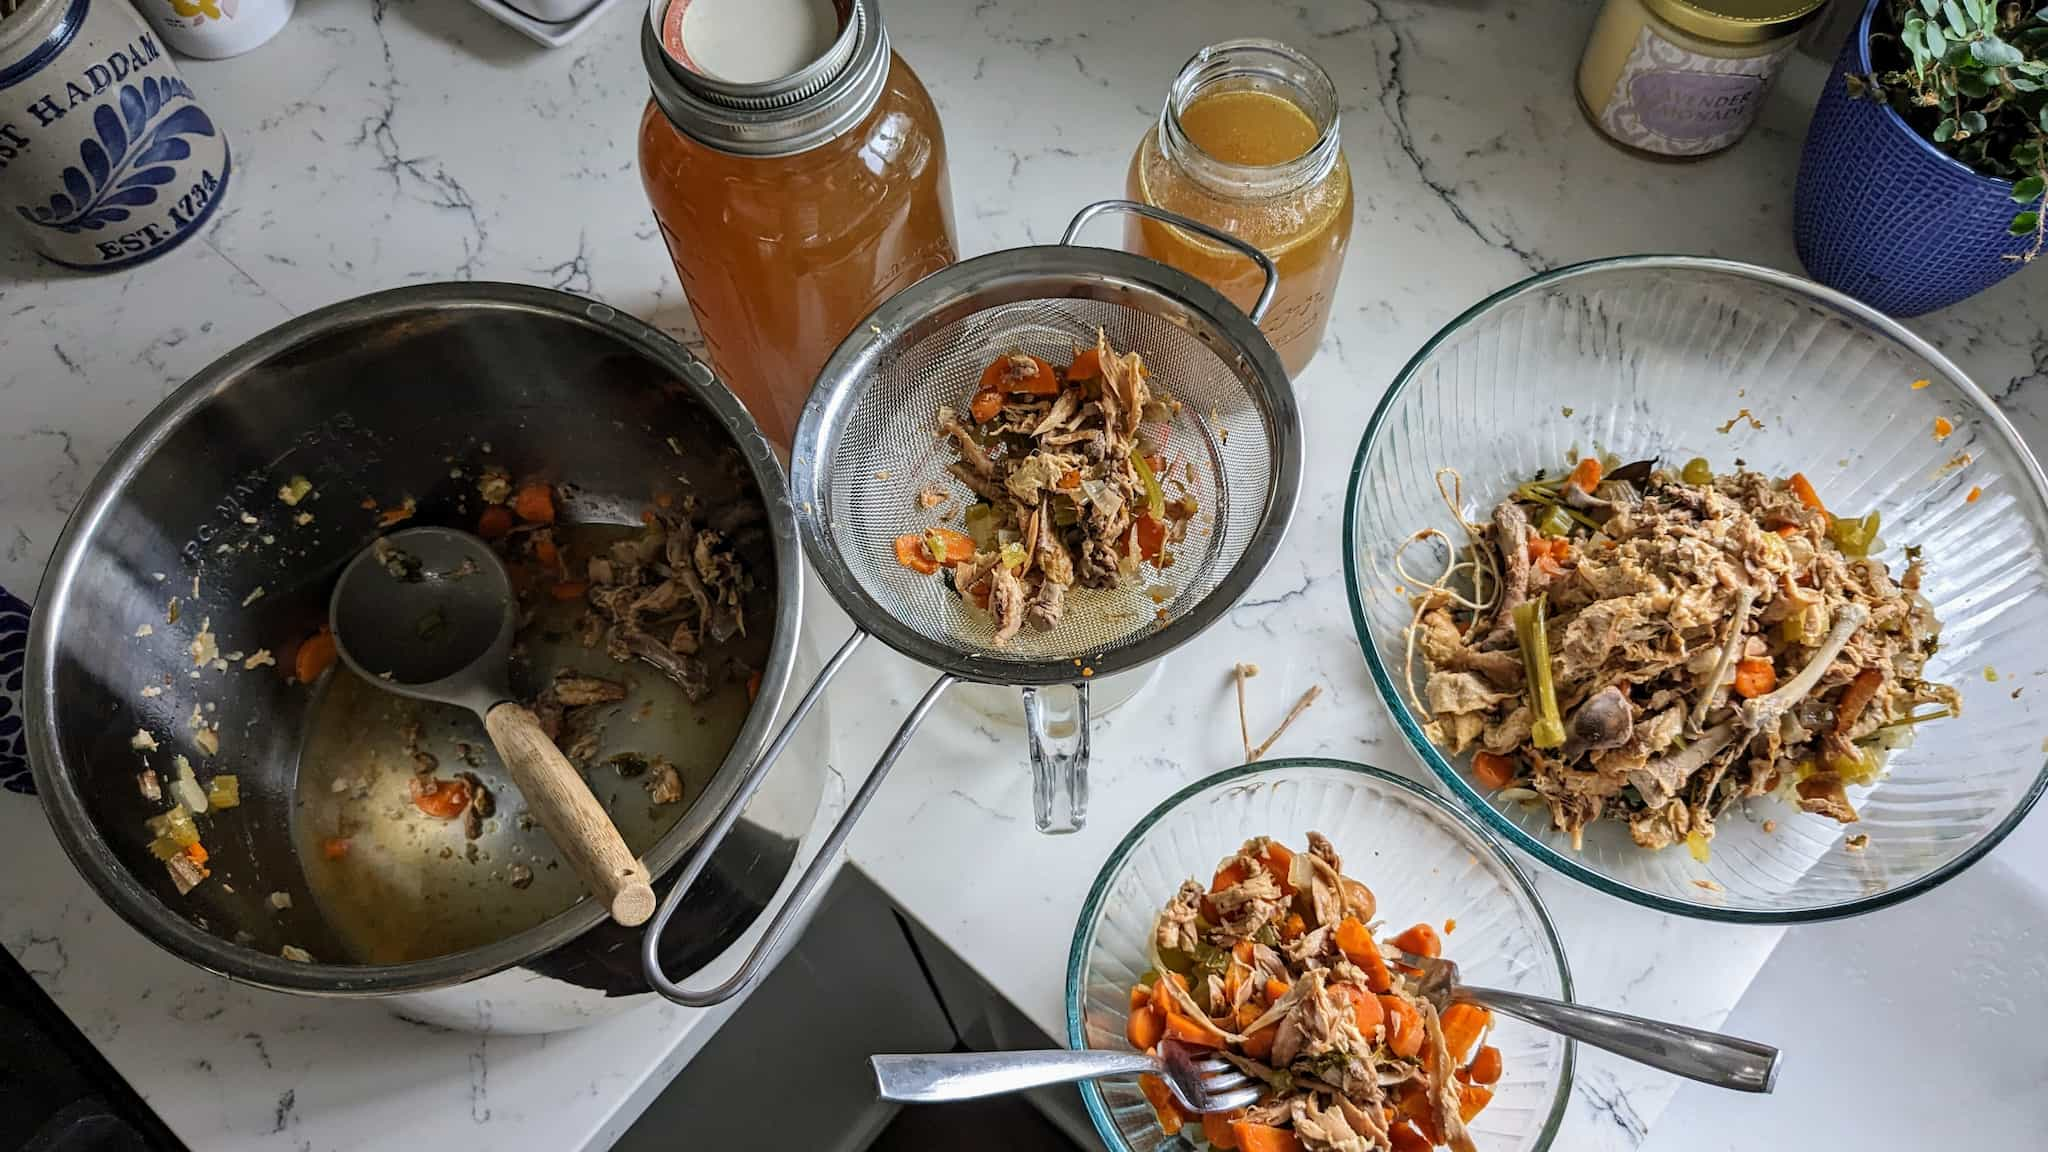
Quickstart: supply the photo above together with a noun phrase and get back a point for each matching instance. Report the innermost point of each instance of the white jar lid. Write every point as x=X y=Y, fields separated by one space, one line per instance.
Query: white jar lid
x=748 y=41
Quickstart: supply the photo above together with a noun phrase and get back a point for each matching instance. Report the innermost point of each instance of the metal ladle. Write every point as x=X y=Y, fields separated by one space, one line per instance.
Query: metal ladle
x=429 y=613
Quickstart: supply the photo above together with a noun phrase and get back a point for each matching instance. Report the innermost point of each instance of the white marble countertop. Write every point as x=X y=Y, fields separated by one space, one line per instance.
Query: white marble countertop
x=395 y=142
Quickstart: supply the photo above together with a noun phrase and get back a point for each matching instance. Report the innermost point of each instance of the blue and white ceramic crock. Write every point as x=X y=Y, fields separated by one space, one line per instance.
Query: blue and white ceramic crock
x=106 y=159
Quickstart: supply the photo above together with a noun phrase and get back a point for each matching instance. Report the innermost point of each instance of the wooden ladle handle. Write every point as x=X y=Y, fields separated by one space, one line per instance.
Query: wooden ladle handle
x=580 y=826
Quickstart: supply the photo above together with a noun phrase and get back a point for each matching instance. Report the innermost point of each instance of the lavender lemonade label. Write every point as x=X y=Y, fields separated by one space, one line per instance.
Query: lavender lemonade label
x=106 y=159
x=1677 y=102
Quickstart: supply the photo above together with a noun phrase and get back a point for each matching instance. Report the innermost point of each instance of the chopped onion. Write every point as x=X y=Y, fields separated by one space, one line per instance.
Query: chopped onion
x=186 y=787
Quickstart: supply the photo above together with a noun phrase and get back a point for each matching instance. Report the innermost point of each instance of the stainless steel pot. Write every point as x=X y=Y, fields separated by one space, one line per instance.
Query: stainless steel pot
x=403 y=394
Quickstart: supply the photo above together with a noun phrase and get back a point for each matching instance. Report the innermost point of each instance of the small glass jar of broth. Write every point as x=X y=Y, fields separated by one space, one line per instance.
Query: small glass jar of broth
x=1248 y=142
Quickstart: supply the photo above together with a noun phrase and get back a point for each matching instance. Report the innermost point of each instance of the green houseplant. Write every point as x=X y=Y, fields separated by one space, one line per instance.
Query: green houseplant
x=1925 y=167
x=1972 y=76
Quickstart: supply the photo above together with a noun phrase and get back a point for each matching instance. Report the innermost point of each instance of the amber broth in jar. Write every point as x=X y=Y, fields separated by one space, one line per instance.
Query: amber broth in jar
x=1247 y=157
x=782 y=254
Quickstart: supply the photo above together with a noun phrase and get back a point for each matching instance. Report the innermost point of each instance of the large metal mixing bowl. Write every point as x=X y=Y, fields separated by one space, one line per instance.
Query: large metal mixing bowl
x=408 y=393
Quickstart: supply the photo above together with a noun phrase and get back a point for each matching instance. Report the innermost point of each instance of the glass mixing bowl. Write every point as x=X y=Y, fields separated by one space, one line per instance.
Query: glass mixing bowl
x=1422 y=858
x=1677 y=357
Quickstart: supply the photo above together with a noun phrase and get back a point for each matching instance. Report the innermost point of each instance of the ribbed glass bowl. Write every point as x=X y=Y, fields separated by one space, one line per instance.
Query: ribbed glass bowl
x=1677 y=357
x=1423 y=859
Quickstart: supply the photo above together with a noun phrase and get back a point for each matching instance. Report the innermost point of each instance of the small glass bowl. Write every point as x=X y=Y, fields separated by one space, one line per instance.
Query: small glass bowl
x=1676 y=357
x=1423 y=859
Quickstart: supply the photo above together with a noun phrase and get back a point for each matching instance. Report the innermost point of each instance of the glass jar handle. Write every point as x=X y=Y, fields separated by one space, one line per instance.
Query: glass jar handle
x=1251 y=252
x=1059 y=764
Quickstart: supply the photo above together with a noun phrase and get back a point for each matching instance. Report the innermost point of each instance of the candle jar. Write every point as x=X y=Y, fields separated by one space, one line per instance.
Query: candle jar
x=1681 y=79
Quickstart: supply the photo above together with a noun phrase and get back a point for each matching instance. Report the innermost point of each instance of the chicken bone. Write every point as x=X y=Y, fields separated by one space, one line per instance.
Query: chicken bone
x=1731 y=648
x=1761 y=713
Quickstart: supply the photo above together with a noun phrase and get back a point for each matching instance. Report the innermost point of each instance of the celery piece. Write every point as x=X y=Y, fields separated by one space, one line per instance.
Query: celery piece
x=1533 y=631
x=1155 y=496
x=1853 y=535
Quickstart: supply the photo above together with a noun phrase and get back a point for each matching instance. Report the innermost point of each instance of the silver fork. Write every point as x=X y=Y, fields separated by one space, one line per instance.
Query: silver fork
x=1201 y=1083
x=1709 y=1057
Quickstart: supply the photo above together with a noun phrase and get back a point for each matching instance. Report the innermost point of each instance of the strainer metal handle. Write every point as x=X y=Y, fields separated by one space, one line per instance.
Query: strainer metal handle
x=799 y=896
x=1250 y=251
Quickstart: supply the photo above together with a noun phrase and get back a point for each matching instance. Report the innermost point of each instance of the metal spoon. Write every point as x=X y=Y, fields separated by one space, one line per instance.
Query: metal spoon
x=1695 y=1053
x=429 y=613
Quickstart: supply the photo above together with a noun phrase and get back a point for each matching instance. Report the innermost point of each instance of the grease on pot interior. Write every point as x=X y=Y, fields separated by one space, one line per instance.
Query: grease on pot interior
x=415 y=880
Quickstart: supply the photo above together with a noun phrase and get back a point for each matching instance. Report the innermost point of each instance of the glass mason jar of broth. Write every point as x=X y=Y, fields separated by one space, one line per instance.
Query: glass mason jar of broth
x=1248 y=142
x=798 y=174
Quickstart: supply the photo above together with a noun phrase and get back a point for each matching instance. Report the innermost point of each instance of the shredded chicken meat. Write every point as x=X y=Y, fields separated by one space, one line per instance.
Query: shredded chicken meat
x=1275 y=963
x=1069 y=487
x=1708 y=638
x=662 y=596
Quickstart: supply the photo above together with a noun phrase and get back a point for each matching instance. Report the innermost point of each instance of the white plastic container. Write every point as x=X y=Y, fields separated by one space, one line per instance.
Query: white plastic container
x=215 y=29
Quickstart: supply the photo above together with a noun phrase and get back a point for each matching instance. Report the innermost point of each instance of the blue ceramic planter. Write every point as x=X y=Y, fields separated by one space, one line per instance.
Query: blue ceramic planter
x=1883 y=215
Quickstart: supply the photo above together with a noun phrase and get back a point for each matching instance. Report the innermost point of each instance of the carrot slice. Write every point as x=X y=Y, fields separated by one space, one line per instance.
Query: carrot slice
x=1216 y=1129
x=1141 y=996
x=1151 y=538
x=1420 y=939
x=912 y=554
x=544 y=549
x=1472 y=1099
x=1002 y=376
x=315 y=655
x=1200 y=1033
x=1404 y=1026
x=1404 y=1138
x=1356 y=942
x=1263 y=1138
x=987 y=404
x=1493 y=769
x=569 y=589
x=334 y=847
x=1162 y=1002
x=1485 y=1066
x=1586 y=475
x=1415 y=1106
x=1293 y=928
x=441 y=799
x=534 y=504
x=1275 y=989
x=1228 y=875
x=959 y=546
x=1754 y=678
x=1366 y=1009
x=1803 y=488
x=1087 y=365
x=1462 y=1025
x=1163 y=1104
x=1259 y=1045
x=1277 y=858
x=1144 y=1029
x=495 y=523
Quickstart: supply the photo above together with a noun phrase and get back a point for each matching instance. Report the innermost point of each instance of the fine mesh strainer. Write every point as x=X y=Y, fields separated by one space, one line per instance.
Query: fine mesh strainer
x=865 y=449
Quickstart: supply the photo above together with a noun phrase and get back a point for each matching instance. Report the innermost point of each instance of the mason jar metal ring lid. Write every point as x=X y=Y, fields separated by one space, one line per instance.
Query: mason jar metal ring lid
x=779 y=117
